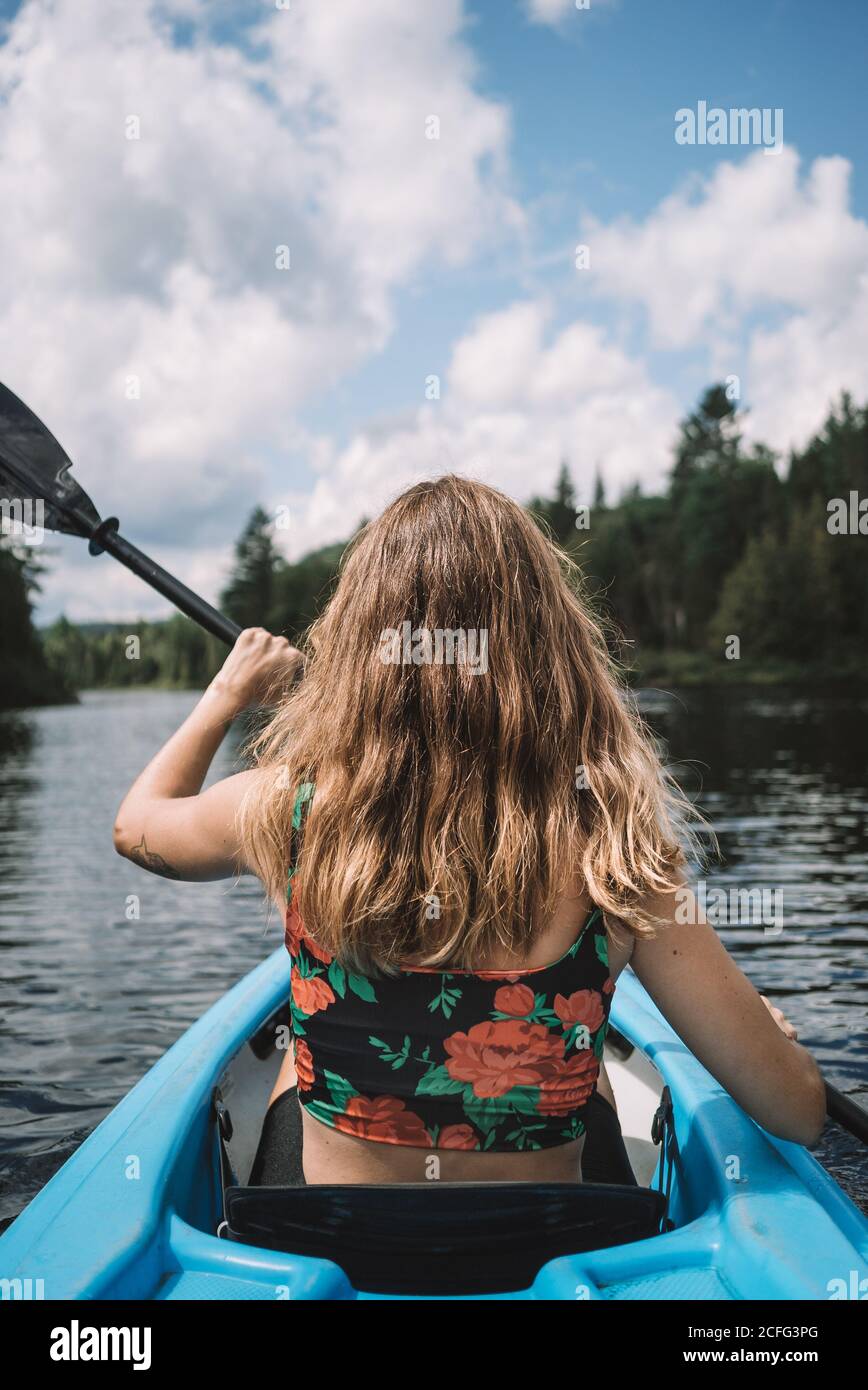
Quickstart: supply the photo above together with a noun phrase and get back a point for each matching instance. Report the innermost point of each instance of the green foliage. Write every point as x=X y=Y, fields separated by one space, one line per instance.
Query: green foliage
x=175 y=653
x=27 y=676
x=735 y=546
x=301 y=590
x=250 y=594
x=558 y=514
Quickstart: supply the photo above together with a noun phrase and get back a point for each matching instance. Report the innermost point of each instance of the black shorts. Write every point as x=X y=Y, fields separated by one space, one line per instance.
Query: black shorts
x=278 y=1157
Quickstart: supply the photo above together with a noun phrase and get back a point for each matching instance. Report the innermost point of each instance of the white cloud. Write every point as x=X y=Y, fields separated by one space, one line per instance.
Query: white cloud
x=796 y=371
x=518 y=399
x=756 y=239
x=754 y=236
x=155 y=257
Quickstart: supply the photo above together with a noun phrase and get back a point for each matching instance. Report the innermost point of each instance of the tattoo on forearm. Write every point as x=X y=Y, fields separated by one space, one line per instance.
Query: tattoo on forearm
x=154 y=863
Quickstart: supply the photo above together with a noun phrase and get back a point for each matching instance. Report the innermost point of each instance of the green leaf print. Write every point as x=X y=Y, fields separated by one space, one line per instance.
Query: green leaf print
x=297 y=1017
x=487 y=1112
x=338 y=978
x=524 y=1099
x=594 y=917
x=362 y=986
x=482 y=1112
x=388 y=1053
x=600 y=1040
x=446 y=999
x=321 y=1111
x=521 y=1137
x=540 y=1013
x=576 y=1129
x=339 y=1088
x=304 y=793
x=438 y=1082
x=601 y=946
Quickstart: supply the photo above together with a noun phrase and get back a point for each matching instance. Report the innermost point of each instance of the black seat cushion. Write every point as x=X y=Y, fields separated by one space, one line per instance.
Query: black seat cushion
x=442 y=1238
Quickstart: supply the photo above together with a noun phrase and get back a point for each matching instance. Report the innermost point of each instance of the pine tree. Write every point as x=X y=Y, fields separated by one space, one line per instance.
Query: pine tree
x=26 y=677
x=710 y=433
x=249 y=595
x=558 y=513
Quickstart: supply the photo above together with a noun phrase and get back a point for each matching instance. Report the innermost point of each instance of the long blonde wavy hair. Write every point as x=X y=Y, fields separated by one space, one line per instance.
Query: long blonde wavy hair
x=453 y=805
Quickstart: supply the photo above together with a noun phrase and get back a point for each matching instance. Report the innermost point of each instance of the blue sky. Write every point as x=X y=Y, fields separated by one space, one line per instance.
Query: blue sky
x=151 y=260
x=592 y=105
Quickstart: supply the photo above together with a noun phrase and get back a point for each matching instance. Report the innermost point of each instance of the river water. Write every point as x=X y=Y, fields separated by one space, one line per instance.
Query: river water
x=91 y=995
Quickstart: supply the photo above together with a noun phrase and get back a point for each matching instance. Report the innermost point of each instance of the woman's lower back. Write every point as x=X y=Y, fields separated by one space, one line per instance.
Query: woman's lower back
x=332 y=1157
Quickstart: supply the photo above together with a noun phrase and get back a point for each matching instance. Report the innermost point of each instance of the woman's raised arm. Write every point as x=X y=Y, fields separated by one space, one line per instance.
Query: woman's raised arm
x=166 y=823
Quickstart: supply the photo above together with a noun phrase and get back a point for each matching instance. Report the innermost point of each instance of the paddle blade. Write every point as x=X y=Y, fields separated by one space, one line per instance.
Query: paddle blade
x=34 y=468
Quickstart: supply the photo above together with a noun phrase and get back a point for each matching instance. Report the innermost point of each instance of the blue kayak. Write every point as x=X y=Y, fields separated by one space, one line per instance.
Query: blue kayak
x=135 y=1213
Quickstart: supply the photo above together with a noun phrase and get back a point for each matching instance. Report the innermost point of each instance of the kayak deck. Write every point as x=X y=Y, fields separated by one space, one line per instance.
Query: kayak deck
x=132 y=1214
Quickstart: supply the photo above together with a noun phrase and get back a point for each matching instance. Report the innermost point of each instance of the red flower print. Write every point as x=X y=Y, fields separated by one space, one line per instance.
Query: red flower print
x=583 y=1007
x=517 y=1000
x=567 y=1085
x=494 y=1057
x=303 y=1065
x=311 y=993
x=294 y=930
x=609 y=986
x=319 y=951
x=457 y=1137
x=383 y=1119
x=295 y=936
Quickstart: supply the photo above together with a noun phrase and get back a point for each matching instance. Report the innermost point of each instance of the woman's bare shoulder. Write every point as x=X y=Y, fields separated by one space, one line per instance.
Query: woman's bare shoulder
x=621 y=943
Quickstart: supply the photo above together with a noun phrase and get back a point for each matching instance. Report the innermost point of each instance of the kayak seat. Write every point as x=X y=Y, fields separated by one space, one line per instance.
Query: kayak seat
x=441 y=1238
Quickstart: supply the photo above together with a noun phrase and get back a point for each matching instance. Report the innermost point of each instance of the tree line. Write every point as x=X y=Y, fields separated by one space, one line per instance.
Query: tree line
x=737 y=569
x=738 y=566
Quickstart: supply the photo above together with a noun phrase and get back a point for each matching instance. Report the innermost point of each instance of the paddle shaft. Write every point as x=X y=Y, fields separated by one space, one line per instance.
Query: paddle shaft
x=846 y=1113
x=106 y=537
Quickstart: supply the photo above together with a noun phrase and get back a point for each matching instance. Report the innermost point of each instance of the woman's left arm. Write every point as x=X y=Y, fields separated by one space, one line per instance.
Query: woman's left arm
x=166 y=823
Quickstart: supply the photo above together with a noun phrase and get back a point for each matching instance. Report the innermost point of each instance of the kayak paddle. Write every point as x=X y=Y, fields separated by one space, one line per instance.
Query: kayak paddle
x=34 y=468
x=846 y=1113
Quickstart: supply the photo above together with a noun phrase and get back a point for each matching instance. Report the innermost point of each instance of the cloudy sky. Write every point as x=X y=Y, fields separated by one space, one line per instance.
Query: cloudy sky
x=304 y=252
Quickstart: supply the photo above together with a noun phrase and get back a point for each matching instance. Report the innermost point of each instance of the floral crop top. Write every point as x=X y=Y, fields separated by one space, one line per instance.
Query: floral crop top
x=448 y=1059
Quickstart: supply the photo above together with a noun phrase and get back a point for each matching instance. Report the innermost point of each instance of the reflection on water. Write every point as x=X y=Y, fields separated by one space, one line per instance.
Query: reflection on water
x=90 y=995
